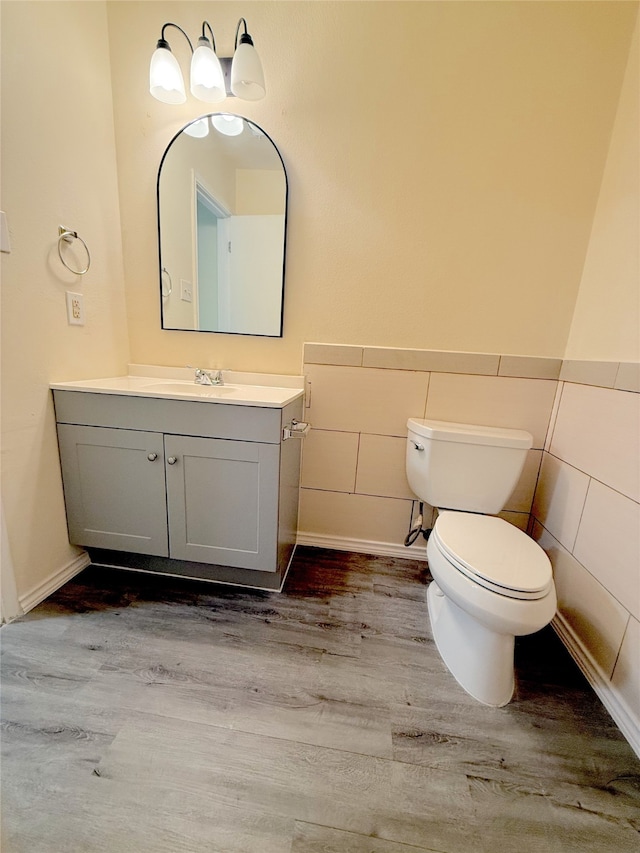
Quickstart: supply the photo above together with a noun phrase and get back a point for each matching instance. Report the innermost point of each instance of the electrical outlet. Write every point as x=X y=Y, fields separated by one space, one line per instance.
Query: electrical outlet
x=186 y=291
x=75 y=309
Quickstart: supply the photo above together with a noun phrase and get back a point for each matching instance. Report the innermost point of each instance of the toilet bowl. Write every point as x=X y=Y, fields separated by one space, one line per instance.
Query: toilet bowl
x=491 y=582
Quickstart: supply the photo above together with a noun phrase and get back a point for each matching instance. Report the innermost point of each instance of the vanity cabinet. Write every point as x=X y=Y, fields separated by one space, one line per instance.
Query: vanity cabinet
x=206 y=489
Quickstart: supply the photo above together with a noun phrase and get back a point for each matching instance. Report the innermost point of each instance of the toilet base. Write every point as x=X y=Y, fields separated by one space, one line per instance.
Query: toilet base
x=480 y=660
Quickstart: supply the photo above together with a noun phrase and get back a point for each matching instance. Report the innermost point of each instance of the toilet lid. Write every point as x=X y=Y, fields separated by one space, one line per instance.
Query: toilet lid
x=494 y=553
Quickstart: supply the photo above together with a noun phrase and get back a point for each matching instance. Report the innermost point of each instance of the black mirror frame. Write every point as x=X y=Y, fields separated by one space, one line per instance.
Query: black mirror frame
x=284 y=244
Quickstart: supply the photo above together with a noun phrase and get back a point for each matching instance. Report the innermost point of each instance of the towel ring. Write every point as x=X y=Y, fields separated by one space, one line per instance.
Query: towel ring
x=166 y=294
x=68 y=236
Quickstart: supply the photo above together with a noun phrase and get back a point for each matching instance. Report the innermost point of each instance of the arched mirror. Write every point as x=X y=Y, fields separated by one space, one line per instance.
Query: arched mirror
x=222 y=211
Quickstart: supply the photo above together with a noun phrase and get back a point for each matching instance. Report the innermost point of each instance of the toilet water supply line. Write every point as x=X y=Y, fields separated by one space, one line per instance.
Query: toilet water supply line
x=416 y=527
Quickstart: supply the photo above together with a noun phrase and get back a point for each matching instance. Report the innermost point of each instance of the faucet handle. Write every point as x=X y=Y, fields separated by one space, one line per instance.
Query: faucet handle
x=202 y=377
x=207 y=377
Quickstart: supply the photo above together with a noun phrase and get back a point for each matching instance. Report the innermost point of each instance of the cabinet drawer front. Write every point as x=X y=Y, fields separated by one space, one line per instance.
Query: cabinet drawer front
x=114 y=488
x=215 y=420
x=222 y=500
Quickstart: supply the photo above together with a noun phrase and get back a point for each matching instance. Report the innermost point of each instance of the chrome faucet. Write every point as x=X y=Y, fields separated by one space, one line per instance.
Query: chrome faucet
x=207 y=377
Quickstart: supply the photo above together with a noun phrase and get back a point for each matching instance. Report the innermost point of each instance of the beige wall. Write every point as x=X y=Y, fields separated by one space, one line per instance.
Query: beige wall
x=444 y=163
x=606 y=318
x=58 y=167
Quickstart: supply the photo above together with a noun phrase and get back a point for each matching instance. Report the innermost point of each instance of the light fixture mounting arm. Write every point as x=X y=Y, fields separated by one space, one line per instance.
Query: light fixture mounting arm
x=203 y=37
x=245 y=38
x=162 y=42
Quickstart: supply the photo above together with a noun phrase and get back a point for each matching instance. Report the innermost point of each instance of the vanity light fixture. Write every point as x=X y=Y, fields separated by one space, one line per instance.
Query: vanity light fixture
x=166 y=83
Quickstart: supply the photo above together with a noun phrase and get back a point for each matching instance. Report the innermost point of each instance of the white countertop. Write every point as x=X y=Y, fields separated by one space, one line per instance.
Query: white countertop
x=239 y=389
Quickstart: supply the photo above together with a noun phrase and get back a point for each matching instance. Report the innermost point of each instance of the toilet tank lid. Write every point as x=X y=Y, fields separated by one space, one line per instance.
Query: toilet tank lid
x=470 y=433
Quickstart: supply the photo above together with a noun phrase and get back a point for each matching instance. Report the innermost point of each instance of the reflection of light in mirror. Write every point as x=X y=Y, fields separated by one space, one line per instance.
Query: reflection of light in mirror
x=229 y=125
x=198 y=129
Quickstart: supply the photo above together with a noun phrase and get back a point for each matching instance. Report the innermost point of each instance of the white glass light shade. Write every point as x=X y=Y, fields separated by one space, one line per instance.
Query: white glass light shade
x=228 y=125
x=165 y=78
x=247 y=76
x=198 y=129
x=207 y=79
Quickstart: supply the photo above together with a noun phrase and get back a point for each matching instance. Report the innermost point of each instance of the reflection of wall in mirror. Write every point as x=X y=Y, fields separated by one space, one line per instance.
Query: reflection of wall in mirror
x=260 y=191
x=177 y=206
x=176 y=246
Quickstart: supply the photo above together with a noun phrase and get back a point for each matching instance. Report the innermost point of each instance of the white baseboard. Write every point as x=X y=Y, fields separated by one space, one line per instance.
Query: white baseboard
x=623 y=715
x=48 y=586
x=363 y=546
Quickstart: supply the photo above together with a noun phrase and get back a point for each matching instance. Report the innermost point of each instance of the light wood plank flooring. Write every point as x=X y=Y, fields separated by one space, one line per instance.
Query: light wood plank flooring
x=149 y=714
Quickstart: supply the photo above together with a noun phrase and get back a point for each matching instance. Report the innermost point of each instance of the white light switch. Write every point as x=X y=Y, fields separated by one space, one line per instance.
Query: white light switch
x=186 y=291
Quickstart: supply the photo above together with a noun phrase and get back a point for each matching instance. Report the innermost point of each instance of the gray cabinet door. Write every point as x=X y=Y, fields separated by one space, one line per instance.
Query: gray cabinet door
x=114 y=488
x=223 y=501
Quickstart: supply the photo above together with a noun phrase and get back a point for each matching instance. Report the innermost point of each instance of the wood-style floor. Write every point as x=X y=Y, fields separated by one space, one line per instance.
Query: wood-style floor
x=147 y=714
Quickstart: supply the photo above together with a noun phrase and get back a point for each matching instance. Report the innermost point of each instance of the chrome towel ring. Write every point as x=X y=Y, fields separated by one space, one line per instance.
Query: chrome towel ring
x=68 y=236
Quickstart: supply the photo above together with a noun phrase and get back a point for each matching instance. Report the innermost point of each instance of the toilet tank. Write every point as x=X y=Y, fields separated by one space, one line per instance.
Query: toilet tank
x=464 y=466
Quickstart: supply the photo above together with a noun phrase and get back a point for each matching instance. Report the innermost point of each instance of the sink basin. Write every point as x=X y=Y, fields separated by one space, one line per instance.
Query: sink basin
x=191 y=389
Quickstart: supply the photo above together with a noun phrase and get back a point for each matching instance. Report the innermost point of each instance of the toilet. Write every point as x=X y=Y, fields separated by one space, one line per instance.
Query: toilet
x=491 y=582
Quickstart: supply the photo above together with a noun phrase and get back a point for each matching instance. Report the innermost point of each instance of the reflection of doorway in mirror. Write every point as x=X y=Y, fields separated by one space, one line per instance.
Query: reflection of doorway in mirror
x=211 y=231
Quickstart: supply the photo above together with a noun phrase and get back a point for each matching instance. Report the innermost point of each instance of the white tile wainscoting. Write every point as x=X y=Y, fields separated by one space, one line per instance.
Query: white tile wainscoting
x=586 y=515
x=578 y=495
x=355 y=495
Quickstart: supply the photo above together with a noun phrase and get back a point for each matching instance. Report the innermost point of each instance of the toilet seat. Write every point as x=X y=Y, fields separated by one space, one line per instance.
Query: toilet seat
x=494 y=554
